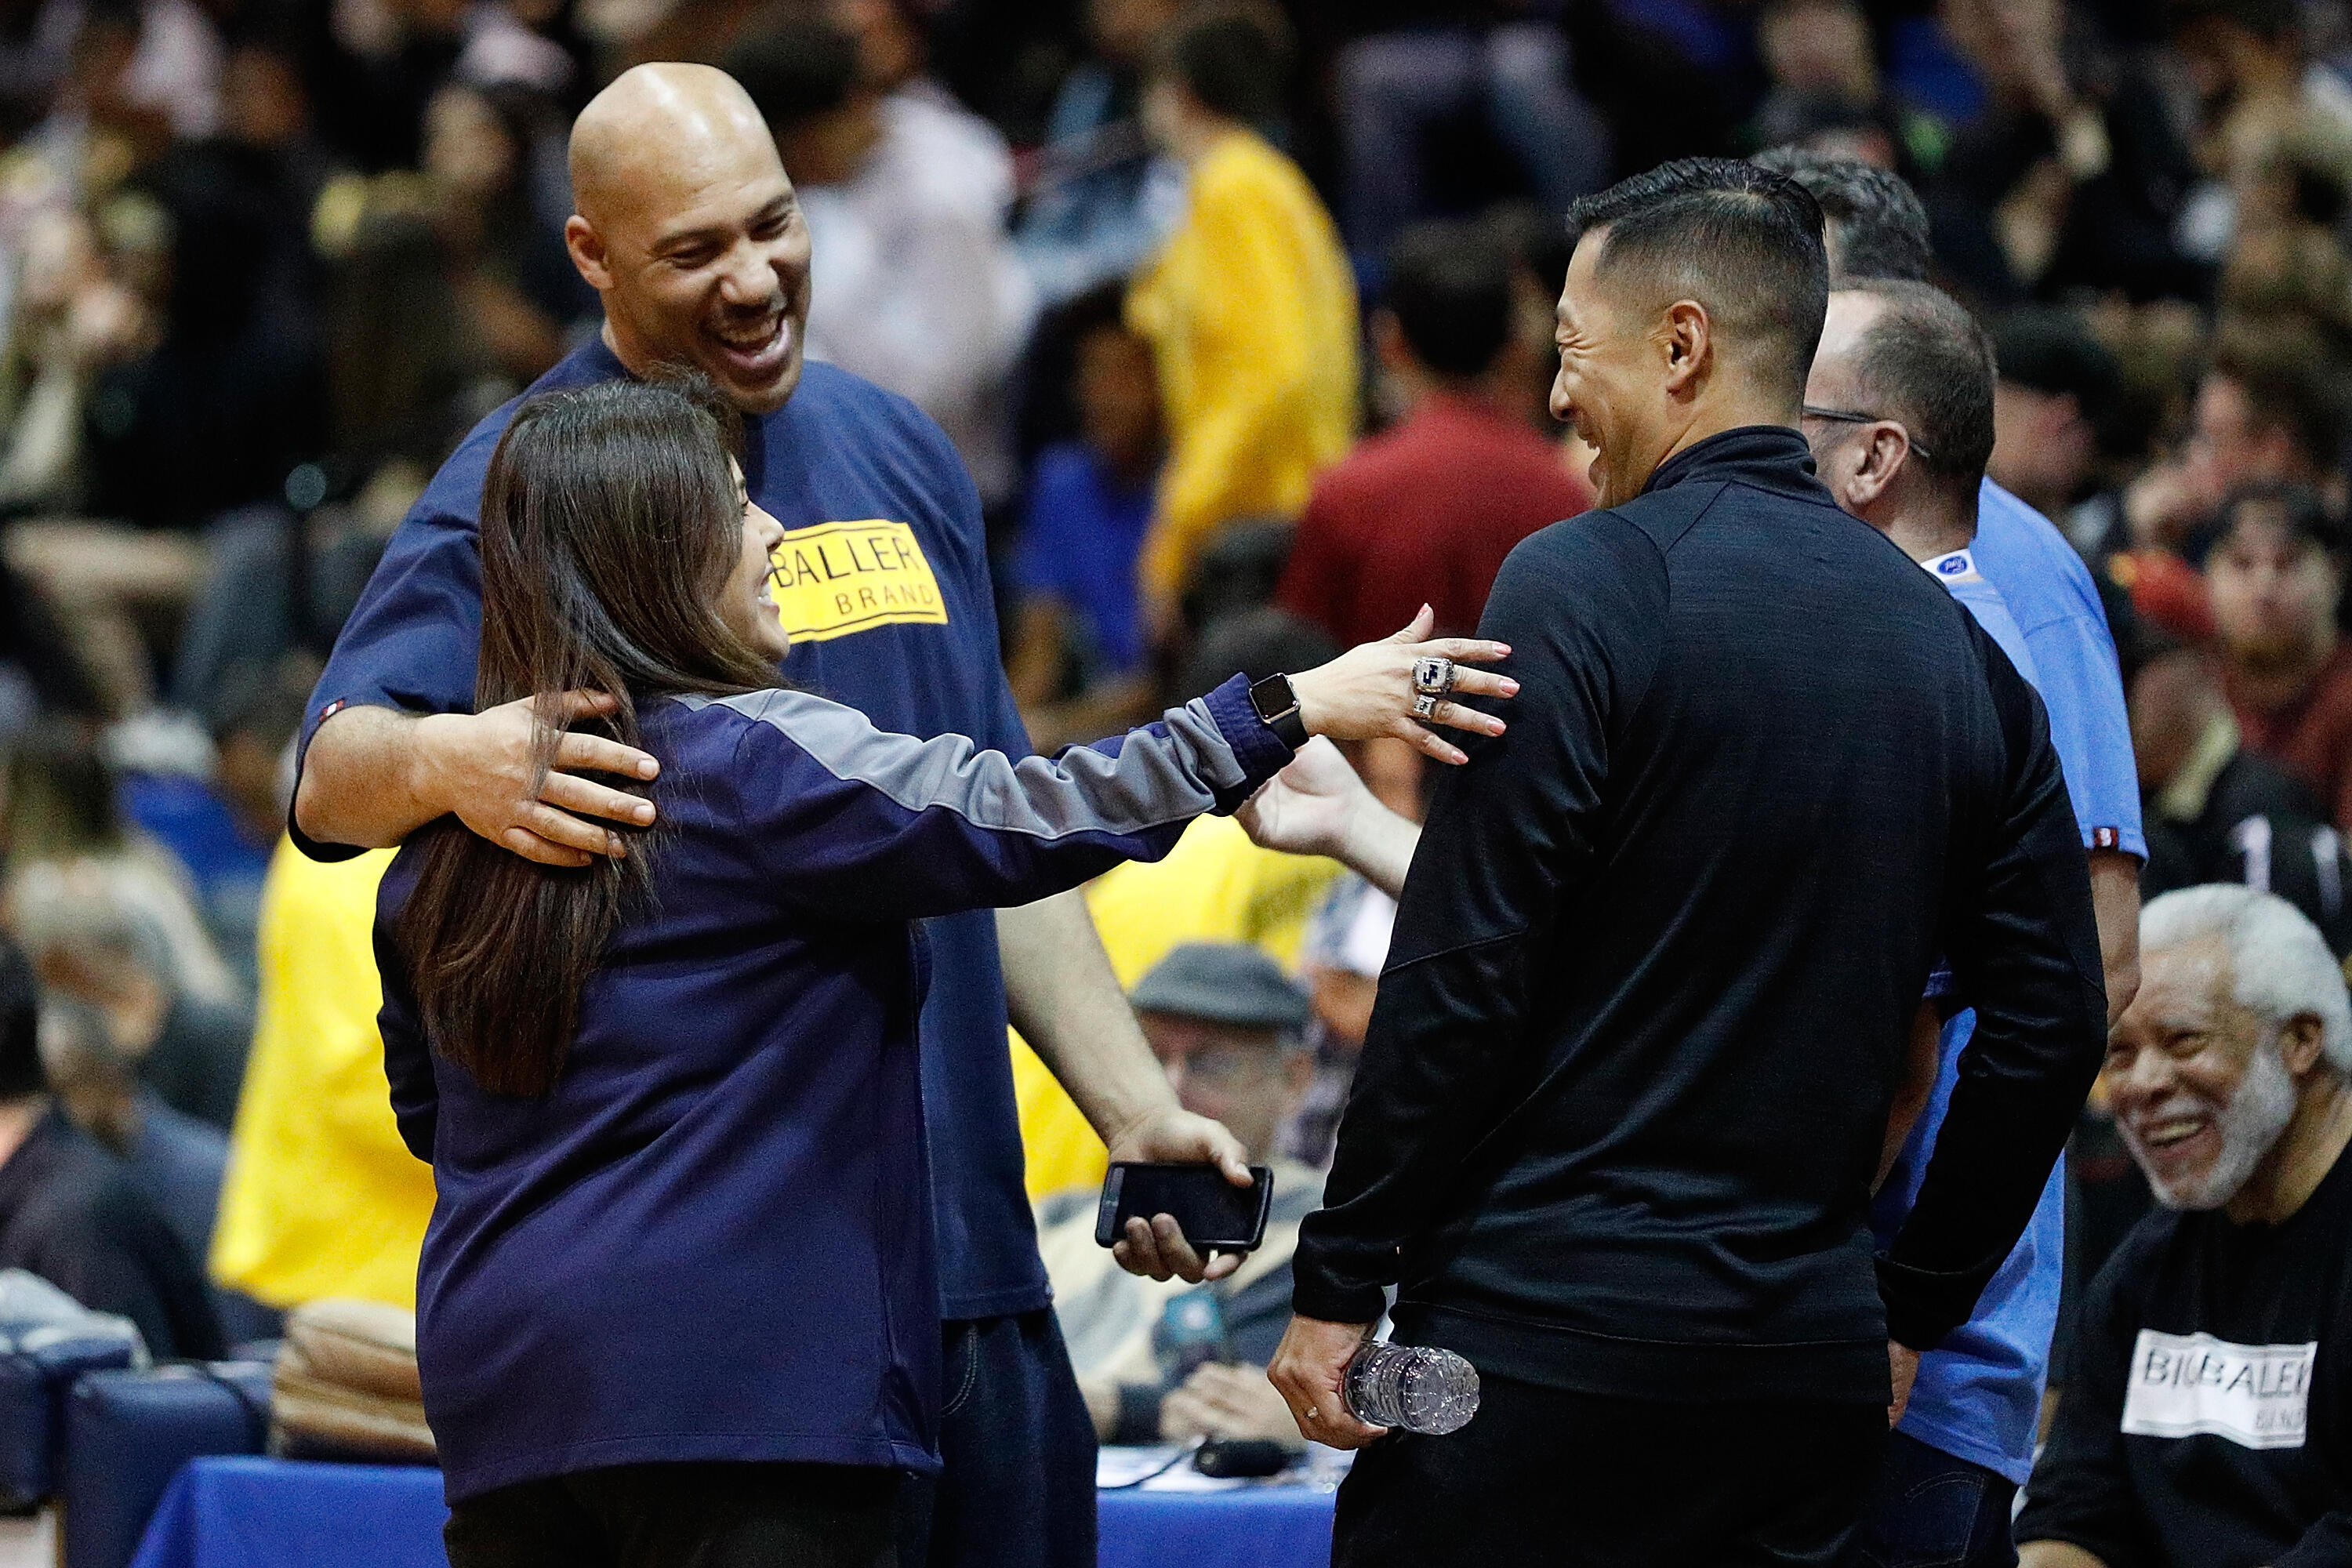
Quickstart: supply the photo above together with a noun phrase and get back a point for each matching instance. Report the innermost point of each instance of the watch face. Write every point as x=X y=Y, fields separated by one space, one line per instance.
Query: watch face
x=1272 y=698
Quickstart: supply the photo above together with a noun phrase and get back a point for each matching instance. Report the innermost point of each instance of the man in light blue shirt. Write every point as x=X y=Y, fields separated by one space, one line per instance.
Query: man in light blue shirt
x=1877 y=229
x=2056 y=605
x=1899 y=414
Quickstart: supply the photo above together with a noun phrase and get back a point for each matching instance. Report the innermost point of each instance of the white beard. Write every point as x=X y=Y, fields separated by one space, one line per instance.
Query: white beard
x=2250 y=1125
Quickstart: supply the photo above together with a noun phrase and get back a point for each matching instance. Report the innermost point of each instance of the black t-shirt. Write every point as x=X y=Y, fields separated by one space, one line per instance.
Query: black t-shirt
x=2209 y=1422
x=69 y=1213
x=2263 y=827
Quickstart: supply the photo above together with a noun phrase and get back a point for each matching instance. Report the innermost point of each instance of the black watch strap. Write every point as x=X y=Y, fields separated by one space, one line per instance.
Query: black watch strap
x=1278 y=710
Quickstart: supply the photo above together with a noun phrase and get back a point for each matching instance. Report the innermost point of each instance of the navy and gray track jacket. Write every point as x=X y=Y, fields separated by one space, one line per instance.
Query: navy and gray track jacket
x=712 y=1239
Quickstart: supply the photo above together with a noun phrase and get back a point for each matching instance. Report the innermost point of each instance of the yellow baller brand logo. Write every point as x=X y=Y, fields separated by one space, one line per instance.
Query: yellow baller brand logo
x=842 y=577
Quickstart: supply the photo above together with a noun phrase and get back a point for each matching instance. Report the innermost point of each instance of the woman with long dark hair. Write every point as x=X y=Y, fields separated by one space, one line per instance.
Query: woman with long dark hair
x=676 y=1302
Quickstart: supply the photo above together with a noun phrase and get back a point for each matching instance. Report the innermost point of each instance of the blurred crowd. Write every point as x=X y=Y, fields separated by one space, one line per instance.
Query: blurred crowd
x=1240 y=315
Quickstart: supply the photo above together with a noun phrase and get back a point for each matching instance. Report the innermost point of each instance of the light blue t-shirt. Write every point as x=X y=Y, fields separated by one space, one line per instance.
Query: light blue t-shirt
x=1963 y=577
x=1978 y=1395
x=2057 y=608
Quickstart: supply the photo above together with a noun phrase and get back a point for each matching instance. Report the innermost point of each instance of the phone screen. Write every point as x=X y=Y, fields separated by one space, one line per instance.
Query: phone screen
x=1211 y=1210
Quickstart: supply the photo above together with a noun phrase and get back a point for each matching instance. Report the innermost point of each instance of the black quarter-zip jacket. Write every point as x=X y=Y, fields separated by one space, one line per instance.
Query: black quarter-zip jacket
x=1623 y=1095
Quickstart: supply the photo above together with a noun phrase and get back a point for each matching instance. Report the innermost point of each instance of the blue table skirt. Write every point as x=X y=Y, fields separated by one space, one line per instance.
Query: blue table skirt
x=280 y=1513
x=1256 y=1527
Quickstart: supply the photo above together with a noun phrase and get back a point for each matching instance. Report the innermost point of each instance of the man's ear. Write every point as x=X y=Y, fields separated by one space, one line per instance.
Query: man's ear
x=2301 y=1038
x=587 y=248
x=1689 y=345
x=1885 y=452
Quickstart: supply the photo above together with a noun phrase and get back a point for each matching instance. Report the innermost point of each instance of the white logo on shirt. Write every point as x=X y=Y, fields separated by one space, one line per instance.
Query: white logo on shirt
x=1959 y=566
x=2257 y=1396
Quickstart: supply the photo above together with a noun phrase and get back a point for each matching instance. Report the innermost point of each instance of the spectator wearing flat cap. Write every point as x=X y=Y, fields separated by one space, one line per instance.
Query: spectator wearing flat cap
x=1162 y=1359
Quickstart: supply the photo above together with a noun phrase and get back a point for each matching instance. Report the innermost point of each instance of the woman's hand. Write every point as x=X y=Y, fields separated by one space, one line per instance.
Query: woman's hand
x=1368 y=691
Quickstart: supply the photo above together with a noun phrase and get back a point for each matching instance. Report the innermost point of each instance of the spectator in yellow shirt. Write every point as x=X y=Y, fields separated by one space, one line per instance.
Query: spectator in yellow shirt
x=1250 y=307
x=322 y=1198
x=1215 y=886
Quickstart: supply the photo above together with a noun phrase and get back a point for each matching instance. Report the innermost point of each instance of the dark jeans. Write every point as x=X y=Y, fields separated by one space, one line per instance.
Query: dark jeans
x=1933 y=1510
x=1019 y=1487
x=1583 y=1481
x=681 y=1516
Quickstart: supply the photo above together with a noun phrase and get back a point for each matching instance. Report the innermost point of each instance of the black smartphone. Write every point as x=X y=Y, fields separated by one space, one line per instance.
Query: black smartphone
x=1213 y=1211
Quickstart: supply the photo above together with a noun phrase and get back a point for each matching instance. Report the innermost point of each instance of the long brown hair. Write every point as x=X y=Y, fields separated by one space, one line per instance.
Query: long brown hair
x=609 y=523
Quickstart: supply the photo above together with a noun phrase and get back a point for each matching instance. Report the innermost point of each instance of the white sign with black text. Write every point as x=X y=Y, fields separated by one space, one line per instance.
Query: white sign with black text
x=2184 y=1386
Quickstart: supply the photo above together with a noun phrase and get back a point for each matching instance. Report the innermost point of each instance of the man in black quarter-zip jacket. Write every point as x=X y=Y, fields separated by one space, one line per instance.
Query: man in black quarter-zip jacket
x=1629 y=1076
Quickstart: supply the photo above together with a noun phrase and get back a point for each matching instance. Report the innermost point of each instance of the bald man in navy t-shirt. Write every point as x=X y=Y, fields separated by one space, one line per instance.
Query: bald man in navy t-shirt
x=690 y=232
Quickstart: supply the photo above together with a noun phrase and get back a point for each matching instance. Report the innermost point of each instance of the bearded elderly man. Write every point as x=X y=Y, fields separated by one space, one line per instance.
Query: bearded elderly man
x=690 y=232
x=2209 y=1422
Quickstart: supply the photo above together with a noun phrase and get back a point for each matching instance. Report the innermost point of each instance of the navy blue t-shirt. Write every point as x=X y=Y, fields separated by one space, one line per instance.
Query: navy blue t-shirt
x=884 y=585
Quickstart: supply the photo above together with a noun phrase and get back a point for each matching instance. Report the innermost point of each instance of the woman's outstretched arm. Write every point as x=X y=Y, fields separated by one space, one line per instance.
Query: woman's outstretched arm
x=880 y=826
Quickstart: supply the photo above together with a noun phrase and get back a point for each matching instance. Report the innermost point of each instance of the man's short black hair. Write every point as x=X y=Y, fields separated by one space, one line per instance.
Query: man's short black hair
x=1929 y=364
x=796 y=71
x=20 y=1026
x=1449 y=287
x=2049 y=349
x=1876 y=227
x=2289 y=385
x=2298 y=508
x=1227 y=59
x=1742 y=240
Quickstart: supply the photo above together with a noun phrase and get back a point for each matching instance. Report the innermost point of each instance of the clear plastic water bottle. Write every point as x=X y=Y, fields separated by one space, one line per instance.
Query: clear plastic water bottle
x=1414 y=1388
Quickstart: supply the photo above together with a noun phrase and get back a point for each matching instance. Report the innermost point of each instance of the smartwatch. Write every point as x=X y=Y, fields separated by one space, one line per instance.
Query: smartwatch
x=1278 y=710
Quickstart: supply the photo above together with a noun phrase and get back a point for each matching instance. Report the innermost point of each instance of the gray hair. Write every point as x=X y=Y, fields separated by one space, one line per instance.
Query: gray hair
x=2280 y=966
x=64 y=907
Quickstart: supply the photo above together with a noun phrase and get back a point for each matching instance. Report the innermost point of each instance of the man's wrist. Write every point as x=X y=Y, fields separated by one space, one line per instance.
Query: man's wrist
x=425 y=776
x=1380 y=845
x=1135 y=1120
x=1349 y=837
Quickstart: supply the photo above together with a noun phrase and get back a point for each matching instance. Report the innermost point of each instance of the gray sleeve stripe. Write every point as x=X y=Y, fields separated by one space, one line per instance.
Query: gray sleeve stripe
x=1153 y=780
